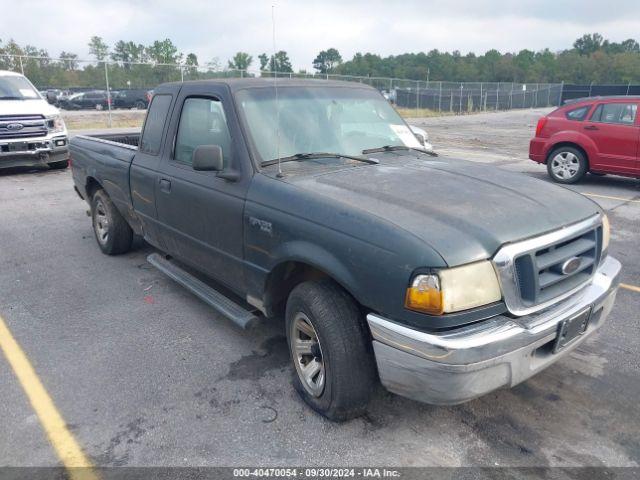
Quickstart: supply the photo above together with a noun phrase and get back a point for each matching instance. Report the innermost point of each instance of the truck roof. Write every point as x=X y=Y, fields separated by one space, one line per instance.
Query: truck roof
x=242 y=83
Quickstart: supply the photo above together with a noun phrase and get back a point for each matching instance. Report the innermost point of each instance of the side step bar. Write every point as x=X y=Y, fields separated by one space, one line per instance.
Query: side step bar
x=222 y=304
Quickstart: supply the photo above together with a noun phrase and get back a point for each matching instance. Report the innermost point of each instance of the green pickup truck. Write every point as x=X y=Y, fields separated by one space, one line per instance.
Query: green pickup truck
x=314 y=201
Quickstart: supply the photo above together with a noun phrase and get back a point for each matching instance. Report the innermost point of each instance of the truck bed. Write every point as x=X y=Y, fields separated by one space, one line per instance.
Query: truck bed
x=106 y=160
x=126 y=138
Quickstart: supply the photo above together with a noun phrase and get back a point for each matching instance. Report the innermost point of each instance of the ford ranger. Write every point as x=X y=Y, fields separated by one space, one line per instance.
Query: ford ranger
x=314 y=202
x=32 y=133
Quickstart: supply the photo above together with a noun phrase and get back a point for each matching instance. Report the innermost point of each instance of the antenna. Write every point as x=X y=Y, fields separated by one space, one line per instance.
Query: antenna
x=275 y=85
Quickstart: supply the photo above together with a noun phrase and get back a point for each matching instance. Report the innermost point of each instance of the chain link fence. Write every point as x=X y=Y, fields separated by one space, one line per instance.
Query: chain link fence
x=64 y=76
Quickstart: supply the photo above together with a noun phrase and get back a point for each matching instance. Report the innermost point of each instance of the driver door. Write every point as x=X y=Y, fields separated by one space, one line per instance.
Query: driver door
x=200 y=213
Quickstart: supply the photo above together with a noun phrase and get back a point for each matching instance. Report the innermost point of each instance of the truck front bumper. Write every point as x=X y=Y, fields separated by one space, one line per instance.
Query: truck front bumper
x=32 y=152
x=458 y=365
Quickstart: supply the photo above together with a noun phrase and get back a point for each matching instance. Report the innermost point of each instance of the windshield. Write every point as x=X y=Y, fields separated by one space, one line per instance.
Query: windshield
x=17 y=88
x=339 y=120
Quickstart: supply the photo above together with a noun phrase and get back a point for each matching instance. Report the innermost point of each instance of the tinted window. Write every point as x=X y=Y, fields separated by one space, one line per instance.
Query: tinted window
x=154 y=125
x=578 y=113
x=202 y=122
x=620 y=113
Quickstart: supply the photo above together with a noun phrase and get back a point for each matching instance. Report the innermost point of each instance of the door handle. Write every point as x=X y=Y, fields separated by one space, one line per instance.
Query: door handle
x=590 y=127
x=165 y=185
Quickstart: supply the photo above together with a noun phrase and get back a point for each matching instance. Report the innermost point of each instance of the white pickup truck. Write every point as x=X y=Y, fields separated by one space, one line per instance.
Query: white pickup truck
x=32 y=131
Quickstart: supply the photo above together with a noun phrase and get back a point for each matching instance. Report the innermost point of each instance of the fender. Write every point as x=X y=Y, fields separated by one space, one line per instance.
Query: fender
x=318 y=258
x=568 y=136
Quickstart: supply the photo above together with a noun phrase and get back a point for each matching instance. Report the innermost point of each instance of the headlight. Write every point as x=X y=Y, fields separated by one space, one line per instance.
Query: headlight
x=606 y=233
x=454 y=289
x=55 y=124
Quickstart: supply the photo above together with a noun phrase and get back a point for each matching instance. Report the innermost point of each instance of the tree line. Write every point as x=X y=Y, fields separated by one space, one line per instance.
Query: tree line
x=592 y=58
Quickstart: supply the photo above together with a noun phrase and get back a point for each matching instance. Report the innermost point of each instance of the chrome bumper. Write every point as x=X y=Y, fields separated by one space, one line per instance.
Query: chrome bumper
x=458 y=365
x=34 y=151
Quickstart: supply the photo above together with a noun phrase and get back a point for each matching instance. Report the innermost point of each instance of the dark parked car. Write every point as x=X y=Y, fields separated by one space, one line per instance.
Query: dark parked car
x=132 y=98
x=444 y=279
x=95 y=100
x=598 y=135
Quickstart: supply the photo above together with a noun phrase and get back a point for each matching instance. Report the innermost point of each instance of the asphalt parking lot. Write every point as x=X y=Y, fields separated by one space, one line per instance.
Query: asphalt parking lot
x=144 y=373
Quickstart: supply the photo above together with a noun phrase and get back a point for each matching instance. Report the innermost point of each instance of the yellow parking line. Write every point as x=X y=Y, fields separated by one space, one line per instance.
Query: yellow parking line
x=633 y=288
x=66 y=447
x=622 y=199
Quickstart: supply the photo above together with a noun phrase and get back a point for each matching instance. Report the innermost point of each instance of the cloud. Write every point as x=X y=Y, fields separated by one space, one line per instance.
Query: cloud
x=220 y=28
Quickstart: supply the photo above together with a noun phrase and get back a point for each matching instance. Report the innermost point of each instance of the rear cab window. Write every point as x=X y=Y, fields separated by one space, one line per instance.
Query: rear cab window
x=578 y=114
x=616 y=113
x=154 y=124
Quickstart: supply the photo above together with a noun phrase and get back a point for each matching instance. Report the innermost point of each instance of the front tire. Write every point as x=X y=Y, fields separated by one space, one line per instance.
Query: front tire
x=566 y=165
x=334 y=370
x=113 y=233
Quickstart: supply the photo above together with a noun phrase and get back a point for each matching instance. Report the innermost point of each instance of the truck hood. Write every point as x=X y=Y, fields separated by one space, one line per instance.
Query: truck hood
x=463 y=210
x=27 y=107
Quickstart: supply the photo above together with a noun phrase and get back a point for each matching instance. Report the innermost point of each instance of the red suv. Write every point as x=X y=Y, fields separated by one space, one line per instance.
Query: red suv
x=598 y=135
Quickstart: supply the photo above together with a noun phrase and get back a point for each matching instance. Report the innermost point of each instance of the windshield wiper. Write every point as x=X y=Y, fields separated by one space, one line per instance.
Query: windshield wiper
x=393 y=148
x=314 y=155
x=10 y=98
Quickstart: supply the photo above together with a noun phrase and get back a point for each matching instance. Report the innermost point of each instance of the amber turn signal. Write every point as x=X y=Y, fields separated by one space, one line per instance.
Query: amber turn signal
x=424 y=295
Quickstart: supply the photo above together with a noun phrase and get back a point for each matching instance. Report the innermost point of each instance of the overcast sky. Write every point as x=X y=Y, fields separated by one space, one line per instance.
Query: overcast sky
x=214 y=28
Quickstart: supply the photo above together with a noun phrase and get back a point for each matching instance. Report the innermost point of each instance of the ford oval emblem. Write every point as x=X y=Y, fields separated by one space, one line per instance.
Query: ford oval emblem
x=15 y=126
x=571 y=265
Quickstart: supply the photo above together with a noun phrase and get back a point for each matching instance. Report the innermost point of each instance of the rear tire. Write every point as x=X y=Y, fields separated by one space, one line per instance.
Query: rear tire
x=140 y=105
x=59 y=165
x=326 y=332
x=113 y=233
x=566 y=165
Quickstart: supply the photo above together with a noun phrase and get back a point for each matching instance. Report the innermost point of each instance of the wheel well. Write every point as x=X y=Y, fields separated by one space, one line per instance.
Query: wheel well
x=283 y=279
x=568 y=144
x=91 y=187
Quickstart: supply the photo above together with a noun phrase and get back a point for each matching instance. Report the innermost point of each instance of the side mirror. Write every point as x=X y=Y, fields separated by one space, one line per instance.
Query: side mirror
x=207 y=158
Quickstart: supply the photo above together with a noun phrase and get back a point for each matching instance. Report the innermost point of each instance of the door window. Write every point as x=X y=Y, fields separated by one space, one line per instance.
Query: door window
x=202 y=122
x=618 y=113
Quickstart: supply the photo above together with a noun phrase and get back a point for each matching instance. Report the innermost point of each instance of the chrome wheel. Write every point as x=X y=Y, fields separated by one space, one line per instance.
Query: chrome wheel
x=307 y=355
x=565 y=165
x=101 y=222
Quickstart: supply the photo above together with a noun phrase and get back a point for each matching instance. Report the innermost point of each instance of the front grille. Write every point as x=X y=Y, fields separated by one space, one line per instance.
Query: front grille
x=32 y=126
x=539 y=273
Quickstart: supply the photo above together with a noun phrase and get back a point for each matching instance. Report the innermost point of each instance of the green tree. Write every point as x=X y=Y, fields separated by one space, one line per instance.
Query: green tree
x=264 y=61
x=128 y=52
x=69 y=61
x=163 y=51
x=589 y=43
x=240 y=61
x=327 y=60
x=280 y=62
x=191 y=63
x=98 y=48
